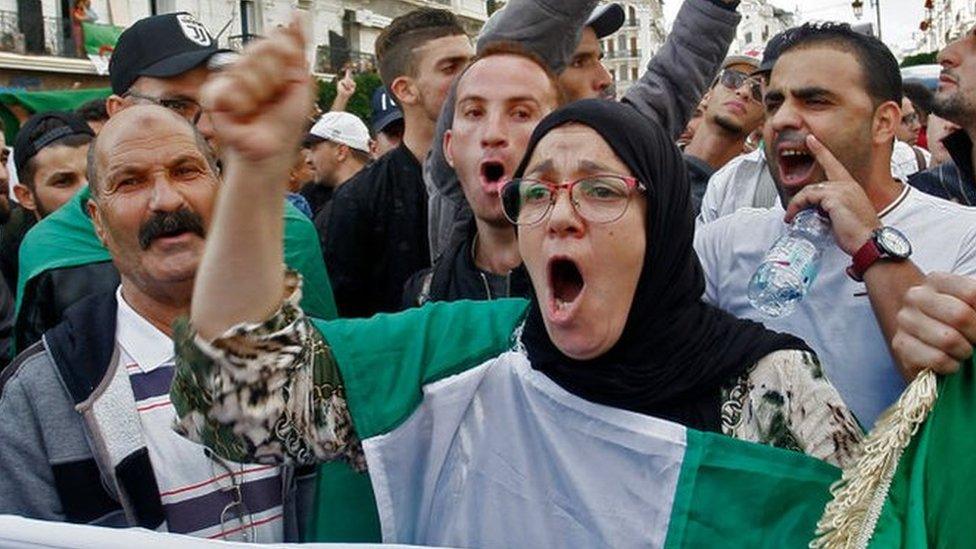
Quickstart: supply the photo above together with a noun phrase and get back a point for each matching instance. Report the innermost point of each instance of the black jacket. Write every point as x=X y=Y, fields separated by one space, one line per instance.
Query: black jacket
x=953 y=181
x=49 y=294
x=376 y=235
x=455 y=276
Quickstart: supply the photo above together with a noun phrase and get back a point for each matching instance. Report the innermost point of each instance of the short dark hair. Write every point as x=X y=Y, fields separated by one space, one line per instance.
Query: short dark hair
x=93 y=111
x=879 y=68
x=396 y=44
x=919 y=95
x=25 y=175
x=506 y=47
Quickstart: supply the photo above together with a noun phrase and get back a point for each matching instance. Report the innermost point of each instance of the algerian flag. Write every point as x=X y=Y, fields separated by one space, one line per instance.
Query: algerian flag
x=467 y=445
x=99 y=43
x=66 y=238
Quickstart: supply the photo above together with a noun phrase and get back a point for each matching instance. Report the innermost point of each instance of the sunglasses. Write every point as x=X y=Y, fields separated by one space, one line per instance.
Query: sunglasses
x=734 y=80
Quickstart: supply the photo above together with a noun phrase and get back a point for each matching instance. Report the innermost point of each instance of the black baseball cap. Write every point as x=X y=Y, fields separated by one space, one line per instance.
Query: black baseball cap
x=606 y=19
x=772 y=52
x=66 y=125
x=160 y=46
x=385 y=110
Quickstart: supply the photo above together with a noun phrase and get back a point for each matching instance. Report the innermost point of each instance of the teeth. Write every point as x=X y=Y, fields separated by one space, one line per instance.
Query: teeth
x=561 y=305
x=794 y=153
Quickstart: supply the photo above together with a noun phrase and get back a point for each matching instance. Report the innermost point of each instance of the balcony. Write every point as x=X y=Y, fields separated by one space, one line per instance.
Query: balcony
x=623 y=54
x=238 y=41
x=333 y=61
x=43 y=36
x=632 y=22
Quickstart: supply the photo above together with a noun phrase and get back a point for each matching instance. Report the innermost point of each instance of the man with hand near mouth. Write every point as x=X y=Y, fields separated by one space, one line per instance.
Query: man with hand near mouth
x=494 y=116
x=734 y=111
x=833 y=109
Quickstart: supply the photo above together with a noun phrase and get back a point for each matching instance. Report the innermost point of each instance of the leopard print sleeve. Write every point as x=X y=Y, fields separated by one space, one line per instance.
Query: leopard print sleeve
x=269 y=392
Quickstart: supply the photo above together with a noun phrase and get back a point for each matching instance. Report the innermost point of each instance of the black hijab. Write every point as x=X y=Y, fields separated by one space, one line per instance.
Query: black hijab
x=675 y=352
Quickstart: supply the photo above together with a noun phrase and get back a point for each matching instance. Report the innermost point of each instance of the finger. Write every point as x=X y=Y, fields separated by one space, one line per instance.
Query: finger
x=811 y=196
x=934 y=333
x=914 y=356
x=959 y=286
x=944 y=308
x=832 y=167
x=346 y=77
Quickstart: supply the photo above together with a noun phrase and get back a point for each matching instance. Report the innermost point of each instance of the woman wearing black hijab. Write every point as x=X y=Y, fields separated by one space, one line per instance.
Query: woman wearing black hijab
x=507 y=423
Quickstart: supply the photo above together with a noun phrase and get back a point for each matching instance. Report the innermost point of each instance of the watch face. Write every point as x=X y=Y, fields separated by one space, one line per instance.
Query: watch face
x=894 y=243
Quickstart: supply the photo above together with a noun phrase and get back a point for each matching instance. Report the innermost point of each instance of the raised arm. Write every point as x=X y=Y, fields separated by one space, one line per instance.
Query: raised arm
x=680 y=72
x=257 y=382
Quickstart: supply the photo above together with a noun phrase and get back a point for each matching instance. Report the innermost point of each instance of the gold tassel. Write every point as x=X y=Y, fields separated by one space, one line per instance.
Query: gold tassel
x=850 y=517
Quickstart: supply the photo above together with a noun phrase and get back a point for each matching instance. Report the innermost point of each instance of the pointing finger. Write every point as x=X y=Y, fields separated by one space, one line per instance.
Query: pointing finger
x=832 y=167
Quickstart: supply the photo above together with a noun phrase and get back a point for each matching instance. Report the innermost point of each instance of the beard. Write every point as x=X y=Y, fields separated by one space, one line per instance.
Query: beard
x=729 y=125
x=954 y=107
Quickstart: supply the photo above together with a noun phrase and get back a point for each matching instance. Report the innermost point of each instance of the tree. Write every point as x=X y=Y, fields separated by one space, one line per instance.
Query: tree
x=359 y=104
x=920 y=59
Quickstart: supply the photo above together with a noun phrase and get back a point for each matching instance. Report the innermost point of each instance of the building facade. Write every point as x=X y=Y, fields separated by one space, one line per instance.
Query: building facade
x=627 y=52
x=760 y=22
x=945 y=20
x=37 y=50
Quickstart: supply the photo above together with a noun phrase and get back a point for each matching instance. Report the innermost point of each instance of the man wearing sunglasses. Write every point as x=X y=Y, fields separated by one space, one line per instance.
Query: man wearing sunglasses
x=734 y=111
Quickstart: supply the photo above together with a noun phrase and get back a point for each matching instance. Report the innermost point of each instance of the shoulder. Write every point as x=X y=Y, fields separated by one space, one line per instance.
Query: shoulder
x=751 y=221
x=32 y=366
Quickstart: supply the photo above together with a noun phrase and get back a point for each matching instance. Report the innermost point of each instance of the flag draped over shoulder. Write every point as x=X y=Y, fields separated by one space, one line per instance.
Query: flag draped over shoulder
x=66 y=238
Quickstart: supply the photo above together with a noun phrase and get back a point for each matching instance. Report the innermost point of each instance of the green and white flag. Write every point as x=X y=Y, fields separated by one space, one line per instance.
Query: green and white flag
x=99 y=43
x=467 y=445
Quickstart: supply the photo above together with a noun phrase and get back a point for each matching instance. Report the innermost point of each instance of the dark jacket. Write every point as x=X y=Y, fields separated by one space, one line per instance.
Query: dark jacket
x=699 y=172
x=376 y=236
x=70 y=453
x=957 y=182
x=455 y=276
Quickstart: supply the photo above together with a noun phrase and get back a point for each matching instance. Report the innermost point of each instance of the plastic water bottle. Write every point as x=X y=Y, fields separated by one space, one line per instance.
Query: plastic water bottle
x=791 y=265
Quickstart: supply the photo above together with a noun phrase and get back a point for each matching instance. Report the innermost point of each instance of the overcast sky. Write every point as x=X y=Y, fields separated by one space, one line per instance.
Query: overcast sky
x=899 y=18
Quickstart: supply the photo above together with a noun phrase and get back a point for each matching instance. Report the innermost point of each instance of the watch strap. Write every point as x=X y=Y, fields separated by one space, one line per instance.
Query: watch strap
x=868 y=255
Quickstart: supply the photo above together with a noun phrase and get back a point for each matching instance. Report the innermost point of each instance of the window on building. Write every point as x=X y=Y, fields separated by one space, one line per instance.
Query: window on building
x=632 y=13
x=622 y=43
x=613 y=75
x=633 y=46
x=609 y=46
x=765 y=35
x=633 y=74
x=748 y=38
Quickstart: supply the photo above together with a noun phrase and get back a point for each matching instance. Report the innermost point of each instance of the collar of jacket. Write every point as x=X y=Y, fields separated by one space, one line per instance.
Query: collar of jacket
x=960 y=147
x=85 y=353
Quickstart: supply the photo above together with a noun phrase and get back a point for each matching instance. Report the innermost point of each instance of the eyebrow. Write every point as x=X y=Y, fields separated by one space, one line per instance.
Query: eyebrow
x=546 y=166
x=811 y=92
x=455 y=59
x=594 y=167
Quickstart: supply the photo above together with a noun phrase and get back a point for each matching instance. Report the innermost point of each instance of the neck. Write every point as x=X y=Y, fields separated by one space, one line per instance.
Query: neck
x=346 y=172
x=418 y=133
x=880 y=187
x=495 y=248
x=715 y=145
x=161 y=306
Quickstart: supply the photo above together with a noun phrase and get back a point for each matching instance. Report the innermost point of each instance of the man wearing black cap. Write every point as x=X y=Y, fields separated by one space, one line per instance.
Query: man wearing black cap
x=566 y=34
x=51 y=154
x=164 y=60
x=386 y=123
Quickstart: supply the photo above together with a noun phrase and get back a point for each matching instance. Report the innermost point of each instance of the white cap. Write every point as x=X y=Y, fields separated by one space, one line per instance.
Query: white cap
x=340 y=127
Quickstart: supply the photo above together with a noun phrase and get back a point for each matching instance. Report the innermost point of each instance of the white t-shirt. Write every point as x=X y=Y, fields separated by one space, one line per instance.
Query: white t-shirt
x=836 y=318
x=744 y=182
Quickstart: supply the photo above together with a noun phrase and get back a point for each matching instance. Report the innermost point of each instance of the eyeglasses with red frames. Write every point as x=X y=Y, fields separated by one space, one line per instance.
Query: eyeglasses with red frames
x=596 y=198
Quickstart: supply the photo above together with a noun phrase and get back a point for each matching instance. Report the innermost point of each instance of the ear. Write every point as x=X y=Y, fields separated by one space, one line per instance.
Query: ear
x=887 y=119
x=342 y=153
x=448 y=153
x=25 y=196
x=96 y=216
x=114 y=104
x=403 y=89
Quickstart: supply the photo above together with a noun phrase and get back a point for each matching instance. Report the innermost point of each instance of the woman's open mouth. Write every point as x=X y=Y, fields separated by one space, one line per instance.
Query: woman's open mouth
x=566 y=285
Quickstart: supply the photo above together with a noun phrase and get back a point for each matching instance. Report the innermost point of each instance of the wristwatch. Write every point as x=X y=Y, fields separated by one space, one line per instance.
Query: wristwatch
x=885 y=243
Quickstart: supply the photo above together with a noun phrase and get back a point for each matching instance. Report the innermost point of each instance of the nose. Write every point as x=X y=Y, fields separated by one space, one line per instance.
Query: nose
x=744 y=91
x=949 y=56
x=165 y=197
x=564 y=220
x=785 y=118
x=495 y=134
x=206 y=128
x=601 y=79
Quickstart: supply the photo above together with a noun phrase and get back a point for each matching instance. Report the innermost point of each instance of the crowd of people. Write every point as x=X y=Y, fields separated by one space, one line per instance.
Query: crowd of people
x=230 y=315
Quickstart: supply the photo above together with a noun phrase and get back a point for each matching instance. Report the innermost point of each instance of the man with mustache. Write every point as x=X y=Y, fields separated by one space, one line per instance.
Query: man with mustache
x=87 y=434
x=833 y=109
x=160 y=60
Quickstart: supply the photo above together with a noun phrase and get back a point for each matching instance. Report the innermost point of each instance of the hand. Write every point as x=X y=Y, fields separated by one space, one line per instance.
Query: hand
x=259 y=104
x=936 y=325
x=346 y=87
x=852 y=216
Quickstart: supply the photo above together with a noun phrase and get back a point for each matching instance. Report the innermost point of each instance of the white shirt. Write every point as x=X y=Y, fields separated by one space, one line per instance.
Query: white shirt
x=194 y=488
x=744 y=182
x=836 y=318
x=904 y=161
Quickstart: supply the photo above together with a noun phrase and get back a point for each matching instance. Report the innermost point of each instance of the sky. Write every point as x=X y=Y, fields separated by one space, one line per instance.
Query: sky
x=899 y=18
